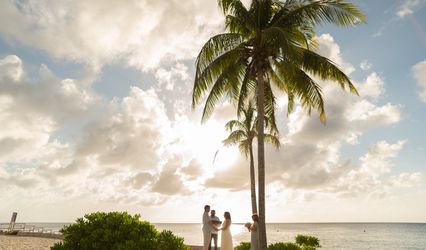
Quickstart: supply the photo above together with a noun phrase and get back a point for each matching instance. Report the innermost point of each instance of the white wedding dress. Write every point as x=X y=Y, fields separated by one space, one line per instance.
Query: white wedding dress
x=226 y=237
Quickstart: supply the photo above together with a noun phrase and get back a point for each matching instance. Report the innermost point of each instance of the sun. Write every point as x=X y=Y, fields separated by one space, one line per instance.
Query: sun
x=204 y=143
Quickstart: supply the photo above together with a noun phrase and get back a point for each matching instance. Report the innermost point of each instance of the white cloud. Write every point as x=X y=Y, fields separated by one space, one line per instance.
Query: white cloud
x=329 y=48
x=31 y=112
x=11 y=68
x=131 y=136
x=408 y=7
x=121 y=143
x=372 y=87
x=419 y=72
x=365 y=65
x=167 y=79
x=406 y=179
x=138 y=33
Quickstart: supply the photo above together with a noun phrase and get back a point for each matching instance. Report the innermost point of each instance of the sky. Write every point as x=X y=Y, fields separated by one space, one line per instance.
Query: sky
x=95 y=115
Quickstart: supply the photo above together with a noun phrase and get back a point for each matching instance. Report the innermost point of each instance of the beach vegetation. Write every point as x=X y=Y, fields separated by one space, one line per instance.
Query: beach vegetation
x=116 y=231
x=269 y=46
x=303 y=242
x=243 y=246
x=307 y=241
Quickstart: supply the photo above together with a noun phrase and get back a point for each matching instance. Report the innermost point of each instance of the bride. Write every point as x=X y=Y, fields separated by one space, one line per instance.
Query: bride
x=226 y=237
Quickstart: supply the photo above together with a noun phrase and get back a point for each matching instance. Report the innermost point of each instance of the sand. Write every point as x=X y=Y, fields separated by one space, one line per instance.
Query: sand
x=26 y=243
x=35 y=243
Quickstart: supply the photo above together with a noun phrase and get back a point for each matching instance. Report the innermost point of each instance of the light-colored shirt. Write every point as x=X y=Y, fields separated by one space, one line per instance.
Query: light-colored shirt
x=215 y=219
x=206 y=219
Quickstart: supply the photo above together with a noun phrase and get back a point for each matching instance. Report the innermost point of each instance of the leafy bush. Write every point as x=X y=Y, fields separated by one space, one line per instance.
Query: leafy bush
x=13 y=232
x=307 y=242
x=168 y=241
x=116 y=231
x=283 y=246
x=243 y=246
x=303 y=242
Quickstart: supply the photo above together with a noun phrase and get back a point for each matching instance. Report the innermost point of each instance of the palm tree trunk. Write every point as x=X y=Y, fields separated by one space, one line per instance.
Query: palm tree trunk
x=261 y=159
x=252 y=182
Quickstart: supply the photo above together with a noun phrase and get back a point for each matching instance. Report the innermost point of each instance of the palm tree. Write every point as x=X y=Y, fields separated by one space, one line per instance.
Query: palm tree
x=243 y=132
x=270 y=41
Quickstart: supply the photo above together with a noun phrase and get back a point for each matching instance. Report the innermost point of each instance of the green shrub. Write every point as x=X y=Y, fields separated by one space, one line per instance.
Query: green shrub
x=283 y=246
x=307 y=242
x=116 y=231
x=166 y=240
x=243 y=246
x=13 y=232
x=303 y=242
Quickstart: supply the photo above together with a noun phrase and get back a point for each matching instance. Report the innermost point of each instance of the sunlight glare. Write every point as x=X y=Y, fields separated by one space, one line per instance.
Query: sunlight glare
x=205 y=140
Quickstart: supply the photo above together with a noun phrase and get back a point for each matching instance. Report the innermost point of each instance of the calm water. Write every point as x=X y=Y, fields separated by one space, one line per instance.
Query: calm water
x=331 y=235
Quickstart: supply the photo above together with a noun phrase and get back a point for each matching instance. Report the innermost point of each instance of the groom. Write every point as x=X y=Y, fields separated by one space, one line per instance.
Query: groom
x=207 y=227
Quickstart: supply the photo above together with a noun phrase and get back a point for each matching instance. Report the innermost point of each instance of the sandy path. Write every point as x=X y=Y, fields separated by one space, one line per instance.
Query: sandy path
x=25 y=243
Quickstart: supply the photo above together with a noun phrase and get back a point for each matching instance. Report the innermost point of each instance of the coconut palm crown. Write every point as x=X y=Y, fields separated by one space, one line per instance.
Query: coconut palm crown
x=270 y=43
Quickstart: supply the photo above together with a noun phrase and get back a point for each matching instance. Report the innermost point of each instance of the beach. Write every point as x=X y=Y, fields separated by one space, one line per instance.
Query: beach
x=351 y=236
x=8 y=242
x=26 y=243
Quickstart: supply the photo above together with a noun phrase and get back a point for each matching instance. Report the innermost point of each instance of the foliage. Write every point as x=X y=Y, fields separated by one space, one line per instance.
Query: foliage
x=11 y=232
x=244 y=130
x=308 y=242
x=243 y=246
x=166 y=240
x=284 y=246
x=303 y=242
x=116 y=231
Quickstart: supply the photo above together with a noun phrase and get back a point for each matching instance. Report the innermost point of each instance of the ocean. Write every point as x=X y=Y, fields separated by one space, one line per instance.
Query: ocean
x=332 y=235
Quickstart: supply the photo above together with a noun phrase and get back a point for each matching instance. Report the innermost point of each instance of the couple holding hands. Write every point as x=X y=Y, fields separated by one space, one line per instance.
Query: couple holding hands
x=211 y=225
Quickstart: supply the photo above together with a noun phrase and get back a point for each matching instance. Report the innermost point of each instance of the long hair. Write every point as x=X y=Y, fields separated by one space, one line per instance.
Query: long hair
x=227 y=215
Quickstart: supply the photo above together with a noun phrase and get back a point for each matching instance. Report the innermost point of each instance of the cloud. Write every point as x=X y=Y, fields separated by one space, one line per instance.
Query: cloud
x=406 y=179
x=31 y=112
x=167 y=78
x=365 y=65
x=193 y=170
x=408 y=7
x=120 y=151
x=170 y=180
x=235 y=178
x=373 y=86
x=140 y=34
x=169 y=183
x=133 y=136
x=328 y=47
x=419 y=72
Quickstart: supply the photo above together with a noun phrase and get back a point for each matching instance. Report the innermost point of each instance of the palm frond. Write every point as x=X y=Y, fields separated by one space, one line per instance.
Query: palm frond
x=230 y=75
x=216 y=46
x=229 y=126
x=210 y=73
x=272 y=139
x=247 y=87
x=235 y=138
x=302 y=86
x=325 y=69
x=336 y=12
